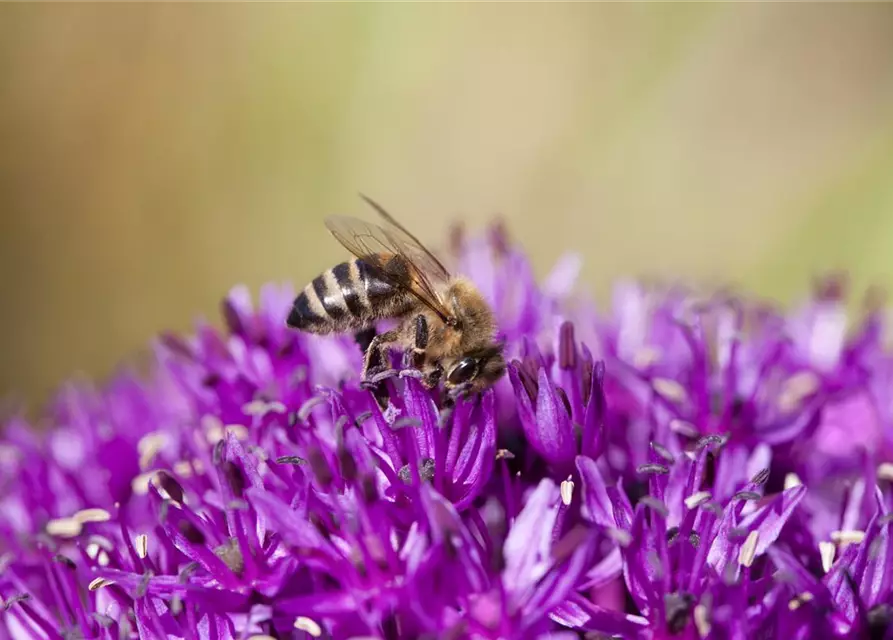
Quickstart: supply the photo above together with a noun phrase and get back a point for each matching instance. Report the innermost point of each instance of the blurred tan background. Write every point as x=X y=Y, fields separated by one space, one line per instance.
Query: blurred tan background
x=153 y=155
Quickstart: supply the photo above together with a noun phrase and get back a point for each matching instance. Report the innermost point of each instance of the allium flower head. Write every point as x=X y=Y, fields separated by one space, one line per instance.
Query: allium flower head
x=676 y=466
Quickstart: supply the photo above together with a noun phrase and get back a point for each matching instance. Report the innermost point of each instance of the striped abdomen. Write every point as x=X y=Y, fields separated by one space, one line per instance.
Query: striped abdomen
x=347 y=297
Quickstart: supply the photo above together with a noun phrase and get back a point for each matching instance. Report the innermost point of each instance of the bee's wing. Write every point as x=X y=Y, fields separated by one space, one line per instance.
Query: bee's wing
x=426 y=260
x=374 y=245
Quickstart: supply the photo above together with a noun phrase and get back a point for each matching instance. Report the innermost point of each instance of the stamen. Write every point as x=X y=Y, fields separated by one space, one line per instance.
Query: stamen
x=644 y=357
x=670 y=389
x=99 y=583
x=149 y=446
x=885 y=471
x=711 y=440
x=142 y=545
x=749 y=549
x=799 y=600
x=92 y=515
x=760 y=477
x=663 y=452
x=9 y=602
x=797 y=388
x=844 y=538
x=683 y=428
x=260 y=408
x=97 y=550
x=308 y=625
x=567 y=491
x=213 y=429
x=652 y=468
x=697 y=499
x=827 y=551
x=295 y=460
x=185 y=468
x=409 y=421
x=140 y=484
x=792 y=480
x=655 y=505
x=307 y=407
x=64 y=527
x=702 y=620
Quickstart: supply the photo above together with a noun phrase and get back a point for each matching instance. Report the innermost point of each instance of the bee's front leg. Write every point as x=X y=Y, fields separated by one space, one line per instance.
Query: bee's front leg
x=420 y=341
x=431 y=373
x=376 y=353
x=432 y=376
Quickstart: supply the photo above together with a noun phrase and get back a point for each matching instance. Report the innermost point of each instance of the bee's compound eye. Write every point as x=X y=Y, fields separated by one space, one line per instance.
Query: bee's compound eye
x=463 y=372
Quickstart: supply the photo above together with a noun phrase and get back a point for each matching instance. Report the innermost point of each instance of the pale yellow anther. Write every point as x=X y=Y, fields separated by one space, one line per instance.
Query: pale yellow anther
x=748 y=549
x=238 y=430
x=567 y=491
x=799 y=600
x=827 y=551
x=702 y=620
x=683 y=427
x=308 y=625
x=885 y=471
x=792 y=480
x=92 y=515
x=64 y=527
x=142 y=545
x=795 y=389
x=847 y=537
x=99 y=583
x=96 y=550
x=140 y=484
x=183 y=468
x=697 y=499
x=149 y=446
x=670 y=389
x=645 y=357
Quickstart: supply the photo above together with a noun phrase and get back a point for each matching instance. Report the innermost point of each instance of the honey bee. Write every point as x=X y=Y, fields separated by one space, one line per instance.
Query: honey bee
x=443 y=321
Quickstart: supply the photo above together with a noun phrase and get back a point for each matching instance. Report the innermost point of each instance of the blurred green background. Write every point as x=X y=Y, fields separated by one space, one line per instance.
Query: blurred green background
x=153 y=155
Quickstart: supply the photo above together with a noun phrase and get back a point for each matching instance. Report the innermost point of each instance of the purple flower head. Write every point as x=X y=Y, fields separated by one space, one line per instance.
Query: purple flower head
x=679 y=467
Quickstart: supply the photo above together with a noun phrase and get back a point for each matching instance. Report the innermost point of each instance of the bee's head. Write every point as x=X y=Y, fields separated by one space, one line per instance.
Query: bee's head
x=478 y=369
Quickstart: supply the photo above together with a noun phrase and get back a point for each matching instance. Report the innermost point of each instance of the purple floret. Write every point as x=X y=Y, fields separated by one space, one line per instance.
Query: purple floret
x=678 y=465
